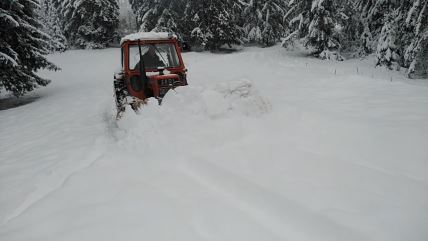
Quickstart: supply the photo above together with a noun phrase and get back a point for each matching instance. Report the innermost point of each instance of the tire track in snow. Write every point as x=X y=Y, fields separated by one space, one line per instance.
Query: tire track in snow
x=38 y=196
x=274 y=212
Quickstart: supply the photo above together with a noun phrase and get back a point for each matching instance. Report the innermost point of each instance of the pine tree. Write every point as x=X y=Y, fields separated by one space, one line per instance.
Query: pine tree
x=298 y=20
x=171 y=17
x=322 y=36
x=348 y=26
x=166 y=22
x=89 y=23
x=416 y=52
x=51 y=25
x=22 y=46
x=397 y=30
x=211 y=24
x=159 y=15
x=208 y=24
x=237 y=15
x=315 y=25
x=264 y=21
x=127 y=19
x=403 y=40
x=148 y=12
x=372 y=16
x=387 y=52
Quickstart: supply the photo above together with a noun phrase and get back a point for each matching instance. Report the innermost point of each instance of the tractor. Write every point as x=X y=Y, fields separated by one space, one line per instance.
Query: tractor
x=151 y=66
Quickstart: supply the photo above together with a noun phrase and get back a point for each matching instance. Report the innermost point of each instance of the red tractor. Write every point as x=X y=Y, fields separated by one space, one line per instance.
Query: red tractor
x=151 y=66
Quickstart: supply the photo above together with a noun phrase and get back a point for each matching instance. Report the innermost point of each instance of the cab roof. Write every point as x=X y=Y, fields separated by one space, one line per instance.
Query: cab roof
x=148 y=36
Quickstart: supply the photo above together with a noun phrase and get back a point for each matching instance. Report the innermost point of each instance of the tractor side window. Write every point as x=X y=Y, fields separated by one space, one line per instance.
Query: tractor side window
x=172 y=56
x=134 y=55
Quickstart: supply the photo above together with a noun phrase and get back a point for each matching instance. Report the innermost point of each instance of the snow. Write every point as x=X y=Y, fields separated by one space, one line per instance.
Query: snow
x=147 y=36
x=330 y=55
x=275 y=146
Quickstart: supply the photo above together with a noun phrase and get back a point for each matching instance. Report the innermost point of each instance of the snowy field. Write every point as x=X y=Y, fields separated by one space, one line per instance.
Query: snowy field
x=264 y=144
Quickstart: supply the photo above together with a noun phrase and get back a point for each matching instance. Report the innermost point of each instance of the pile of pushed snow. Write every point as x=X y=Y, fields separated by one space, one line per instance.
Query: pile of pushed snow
x=243 y=98
x=225 y=99
x=188 y=115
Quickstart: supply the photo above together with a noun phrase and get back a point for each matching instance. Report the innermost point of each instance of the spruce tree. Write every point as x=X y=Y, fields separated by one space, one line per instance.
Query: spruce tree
x=372 y=16
x=171 y=17
x=322 y=36
x=416 y=52
x=211 y=24
x=403 y=40
x=388 y=53
x=166 y=22
x=298 y=18
x=89 y=23
x=264 y=21
x=348 y=26
x=159 y=15
x=237 y=14
x=51 y=24
x=314 y=23
x=148 y=12
x=207 y=24
x=22 y=46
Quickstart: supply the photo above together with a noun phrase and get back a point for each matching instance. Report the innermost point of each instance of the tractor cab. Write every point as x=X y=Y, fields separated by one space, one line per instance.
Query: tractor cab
x=151 y=66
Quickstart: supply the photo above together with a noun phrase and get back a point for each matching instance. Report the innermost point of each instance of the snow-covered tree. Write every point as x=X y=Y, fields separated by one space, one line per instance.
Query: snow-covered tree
x=416 y=52
x=51 y=24
x=387 y=53
x=171 y=18
x=148 y=12
x=127 y=19
x=322 y=35
x=22 y=46
x=397 y=30
x=237 y=13
x=211 y=24
x=166 y=22
x=372 y=17
x=315 y=24
x=264 y=21
x=159 y=15
x=348 y=26
x=366 y=39
x=89 y=23
x=298 y=19
x=403 y=40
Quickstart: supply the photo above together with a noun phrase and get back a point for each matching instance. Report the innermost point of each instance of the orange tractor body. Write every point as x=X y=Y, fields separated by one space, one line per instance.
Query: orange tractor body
x=151 y=66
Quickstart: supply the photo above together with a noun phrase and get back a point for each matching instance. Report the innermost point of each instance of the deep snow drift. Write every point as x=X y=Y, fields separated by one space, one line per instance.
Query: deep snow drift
x=264 y=144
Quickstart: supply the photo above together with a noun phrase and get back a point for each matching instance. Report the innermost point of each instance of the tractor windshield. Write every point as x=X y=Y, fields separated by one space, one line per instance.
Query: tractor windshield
x=154 y=56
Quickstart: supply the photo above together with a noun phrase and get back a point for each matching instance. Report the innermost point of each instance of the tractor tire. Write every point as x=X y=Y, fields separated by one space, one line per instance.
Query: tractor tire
x=120 y=94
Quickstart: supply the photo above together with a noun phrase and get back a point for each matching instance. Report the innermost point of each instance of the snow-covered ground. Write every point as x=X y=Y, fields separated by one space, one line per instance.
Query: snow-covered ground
x=264 y=144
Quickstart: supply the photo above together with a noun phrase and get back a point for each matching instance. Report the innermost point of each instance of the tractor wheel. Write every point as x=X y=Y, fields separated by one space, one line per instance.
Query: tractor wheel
x=120 y=93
